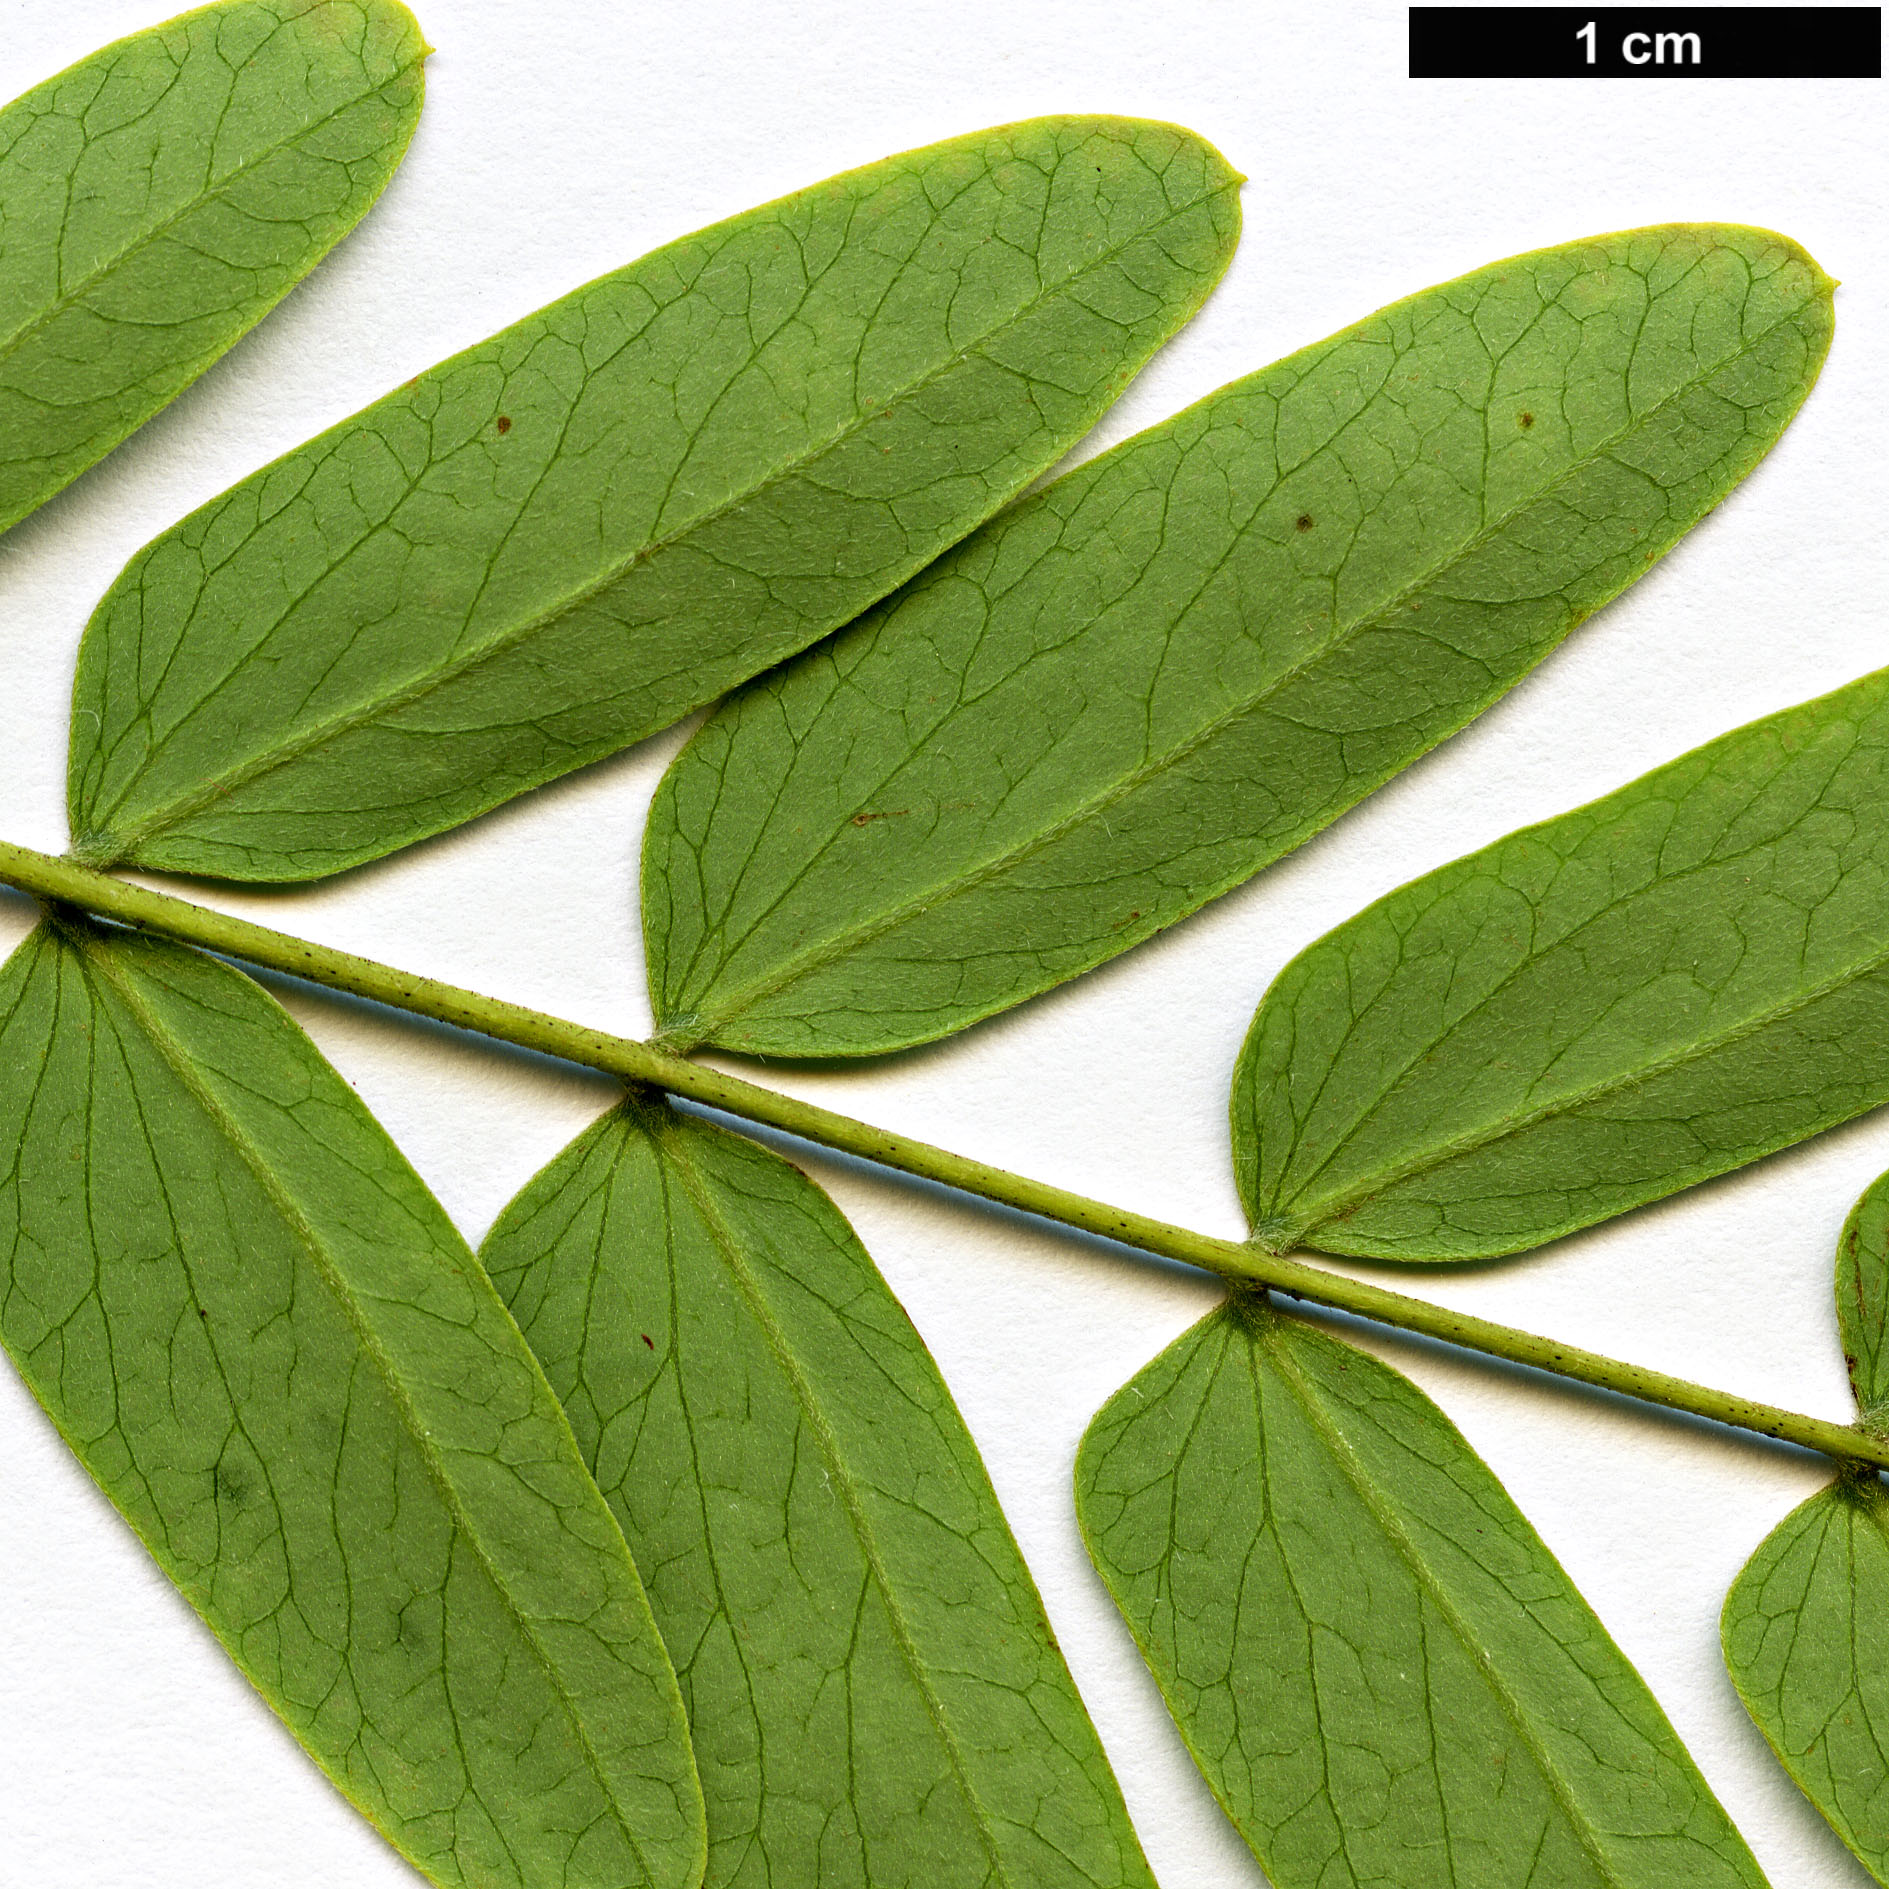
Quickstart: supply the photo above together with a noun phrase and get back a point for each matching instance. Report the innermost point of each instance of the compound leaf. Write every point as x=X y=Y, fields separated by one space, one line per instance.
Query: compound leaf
x=1591 y=1013
x=1137 y=687
x=875 y=1694
x=264 y=1339
x=1806 y=1624
x=160 y=197
x=581 y=529
x=1381 y=1670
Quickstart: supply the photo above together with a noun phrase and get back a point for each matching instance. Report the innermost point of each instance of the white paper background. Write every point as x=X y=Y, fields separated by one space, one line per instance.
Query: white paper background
x=560 y=140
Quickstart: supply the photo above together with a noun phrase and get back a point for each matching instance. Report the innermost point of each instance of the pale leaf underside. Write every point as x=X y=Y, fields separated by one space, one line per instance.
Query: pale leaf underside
x=161 y=196
x=574 y=533
x=1806 y=1635
x=1380 y=1669
x=875 y=1695
x=1806 y=1624
x=263 y=1338
x=1862 y=1293
x=1138 y=686
x=1592 y=1013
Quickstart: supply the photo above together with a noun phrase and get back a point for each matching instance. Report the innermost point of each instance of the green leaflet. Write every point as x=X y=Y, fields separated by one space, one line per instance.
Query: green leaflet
x=1862 y=1286
x=160 y=197
x=1806 y=1624
x=1806 y=1636
x=875 y=1695
x=581 y=529
x=1383 y=1673
x=1142 y=684
x=268 y=1345
x=1591 y=1013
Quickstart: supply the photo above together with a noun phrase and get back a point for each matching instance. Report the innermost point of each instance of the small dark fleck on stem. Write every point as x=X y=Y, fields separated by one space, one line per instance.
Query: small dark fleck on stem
x=504 y=422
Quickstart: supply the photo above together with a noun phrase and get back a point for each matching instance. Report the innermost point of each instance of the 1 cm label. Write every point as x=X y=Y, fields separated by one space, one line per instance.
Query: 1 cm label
x=1647 y=49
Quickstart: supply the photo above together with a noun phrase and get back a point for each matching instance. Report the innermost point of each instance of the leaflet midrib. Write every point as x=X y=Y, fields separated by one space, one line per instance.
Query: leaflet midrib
x=218 y=786
x=841 y=944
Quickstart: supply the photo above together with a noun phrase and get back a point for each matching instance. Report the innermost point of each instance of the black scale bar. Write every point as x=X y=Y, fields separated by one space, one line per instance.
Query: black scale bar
x=1646 y=42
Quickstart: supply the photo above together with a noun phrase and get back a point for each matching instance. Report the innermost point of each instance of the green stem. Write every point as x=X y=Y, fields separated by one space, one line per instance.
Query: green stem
x=61 y=882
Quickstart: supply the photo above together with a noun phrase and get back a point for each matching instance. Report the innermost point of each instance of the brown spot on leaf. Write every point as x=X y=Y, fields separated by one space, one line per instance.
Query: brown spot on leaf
x=890 y=813
x=1305 y=521
x=1528 y=419
x=649 y=1341
x=504 y=422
